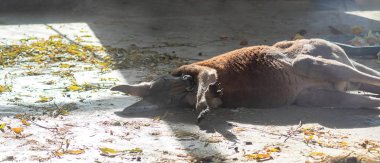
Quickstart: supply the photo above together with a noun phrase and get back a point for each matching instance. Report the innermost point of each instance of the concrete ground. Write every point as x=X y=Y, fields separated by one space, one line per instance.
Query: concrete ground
x=194 y=30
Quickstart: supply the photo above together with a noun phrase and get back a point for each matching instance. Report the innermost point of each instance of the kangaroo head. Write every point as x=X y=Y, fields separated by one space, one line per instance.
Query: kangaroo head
x=164 y=91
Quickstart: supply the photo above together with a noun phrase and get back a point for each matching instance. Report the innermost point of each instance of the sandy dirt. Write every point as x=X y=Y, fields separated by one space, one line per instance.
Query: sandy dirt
x=60 y=125
x=87 y=125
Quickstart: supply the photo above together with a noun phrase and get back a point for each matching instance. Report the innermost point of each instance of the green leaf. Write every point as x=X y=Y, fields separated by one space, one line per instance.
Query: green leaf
x=44 y=99
x=135 y=150
x=109 y=151
x=2 y=126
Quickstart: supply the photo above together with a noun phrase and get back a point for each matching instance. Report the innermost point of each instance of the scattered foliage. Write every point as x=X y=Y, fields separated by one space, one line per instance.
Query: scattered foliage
x=109 y=151
x=2 y=126
x=17 y=130
x=263 y=155
x=51 y=50
x=5 y=88
x=25 y=122
x=44 y=99
x=113 y=152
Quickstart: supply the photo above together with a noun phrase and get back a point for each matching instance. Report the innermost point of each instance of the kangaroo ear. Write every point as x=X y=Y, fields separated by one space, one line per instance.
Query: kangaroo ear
x=140 y=90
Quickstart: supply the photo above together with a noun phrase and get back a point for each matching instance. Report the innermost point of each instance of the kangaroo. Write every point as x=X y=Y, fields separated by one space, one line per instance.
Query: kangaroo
x=307 y=72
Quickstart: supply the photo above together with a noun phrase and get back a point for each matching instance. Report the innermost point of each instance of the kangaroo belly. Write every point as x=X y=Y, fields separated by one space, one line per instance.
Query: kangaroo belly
x=260 y=78
x=272 y=88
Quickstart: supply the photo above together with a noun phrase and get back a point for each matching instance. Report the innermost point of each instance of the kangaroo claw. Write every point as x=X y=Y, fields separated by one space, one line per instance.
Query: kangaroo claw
x=202 y=115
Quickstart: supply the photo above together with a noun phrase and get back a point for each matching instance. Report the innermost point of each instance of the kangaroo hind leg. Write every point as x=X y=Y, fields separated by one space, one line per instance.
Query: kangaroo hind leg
x=366 y=87
x=331 y=70
x=315 y=97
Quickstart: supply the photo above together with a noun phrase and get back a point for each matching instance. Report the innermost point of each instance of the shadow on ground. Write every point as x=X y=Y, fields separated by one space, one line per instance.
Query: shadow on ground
x=220 y=119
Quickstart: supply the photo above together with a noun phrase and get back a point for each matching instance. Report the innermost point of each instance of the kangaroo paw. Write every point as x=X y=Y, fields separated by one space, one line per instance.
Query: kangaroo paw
x=215 y=89
x=202 y=115
x=211 y=100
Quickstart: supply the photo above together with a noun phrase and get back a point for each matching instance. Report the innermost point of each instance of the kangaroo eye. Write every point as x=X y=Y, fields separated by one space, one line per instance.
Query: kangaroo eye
x=190 y=82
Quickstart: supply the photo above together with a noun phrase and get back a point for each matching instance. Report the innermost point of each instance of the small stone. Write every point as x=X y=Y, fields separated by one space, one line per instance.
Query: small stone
x=117 y=123
x=235 y=110
x=9 y=158
x=248 y=143
x=243 y=42
x=352 y=159
x=223 y=37
x=236 y=149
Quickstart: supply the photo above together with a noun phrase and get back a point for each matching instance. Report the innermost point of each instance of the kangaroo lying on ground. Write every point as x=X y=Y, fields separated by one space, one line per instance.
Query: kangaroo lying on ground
x=308 y=72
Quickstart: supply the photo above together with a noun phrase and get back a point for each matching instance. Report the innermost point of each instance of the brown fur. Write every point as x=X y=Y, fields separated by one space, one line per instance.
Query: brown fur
x=255 y=76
